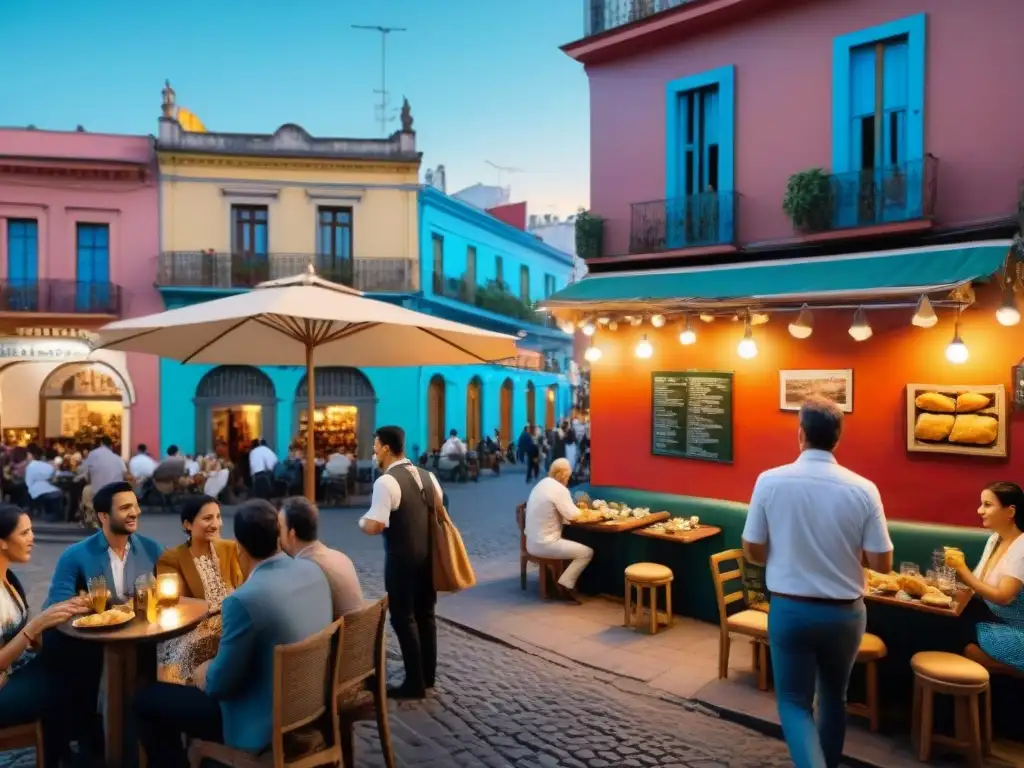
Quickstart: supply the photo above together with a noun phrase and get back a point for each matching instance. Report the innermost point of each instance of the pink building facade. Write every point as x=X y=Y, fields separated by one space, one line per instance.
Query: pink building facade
x=775 y=88
x=79 y=236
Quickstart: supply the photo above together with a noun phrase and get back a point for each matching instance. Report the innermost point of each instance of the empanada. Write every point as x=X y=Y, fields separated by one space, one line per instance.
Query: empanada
x=936 y=403
x=933 y=426
x=974 y=430
x=938 y=600
x=969 y=402
x=914 y=586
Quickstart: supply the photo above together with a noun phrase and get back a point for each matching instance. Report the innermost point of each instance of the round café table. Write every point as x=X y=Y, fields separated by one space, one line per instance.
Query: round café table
x=121 y=657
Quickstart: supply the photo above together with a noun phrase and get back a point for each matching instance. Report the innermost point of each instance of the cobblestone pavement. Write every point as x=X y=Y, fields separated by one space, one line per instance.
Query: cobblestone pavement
x=497 y=706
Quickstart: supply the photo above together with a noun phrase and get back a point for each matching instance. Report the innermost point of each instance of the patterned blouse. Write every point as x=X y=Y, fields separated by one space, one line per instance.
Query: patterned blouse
x=181 y=655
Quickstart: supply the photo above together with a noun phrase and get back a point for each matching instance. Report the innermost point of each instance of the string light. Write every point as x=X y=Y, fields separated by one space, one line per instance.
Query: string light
x=603 y=320
x=613 y=326
x=687 y=337
x=747 y=347
x=592 y=353
x=568 y=328
x=758 y=318
x=657 y=320
x=924 y=315
x=589 y=329
x=1008 y=314
x=706 y=318
x=860 y=329
x=644 y=349
x=957 y=352
x=803 y=326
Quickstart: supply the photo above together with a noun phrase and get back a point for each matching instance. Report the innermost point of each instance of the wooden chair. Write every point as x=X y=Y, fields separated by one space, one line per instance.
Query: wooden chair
x=305 y=710
x=649 y=577
x=872 y=650
x=966 y=681
x=748 y=622
x=361 y=679
x=22 y=737
x=550 y=568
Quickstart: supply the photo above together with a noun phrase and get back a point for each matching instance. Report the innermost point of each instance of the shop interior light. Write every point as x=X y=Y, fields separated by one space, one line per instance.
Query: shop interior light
x=957 y=352
x=657 y=320
x=687 y=336
x=592 y=354
x=747 y=347
x=803 y=326
x=644 y=349
x=588 y=329
x=1008 y=314
x=860 y=329
x=924 y=315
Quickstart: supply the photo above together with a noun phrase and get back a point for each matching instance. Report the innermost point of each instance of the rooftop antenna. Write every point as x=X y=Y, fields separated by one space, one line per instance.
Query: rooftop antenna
x=503 y=169
x=382 y=108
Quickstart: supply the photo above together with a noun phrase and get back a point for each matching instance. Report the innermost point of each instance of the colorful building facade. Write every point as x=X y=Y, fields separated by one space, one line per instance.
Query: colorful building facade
x=78 y=248
x=840 y=173
x=237 y=209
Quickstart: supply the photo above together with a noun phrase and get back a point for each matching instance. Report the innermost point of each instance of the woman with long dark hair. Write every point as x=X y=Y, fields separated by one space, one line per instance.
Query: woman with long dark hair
x=28 y=691
x=998 y=579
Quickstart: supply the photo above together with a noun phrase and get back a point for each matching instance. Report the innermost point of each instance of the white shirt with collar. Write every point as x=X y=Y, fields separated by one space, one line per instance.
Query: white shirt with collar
x=387 y=493
x=37 y=478
x=550 y=504
x=262 y=459
x=117 y=566
x=817 y=519
x=141 y=466
x=453 y=447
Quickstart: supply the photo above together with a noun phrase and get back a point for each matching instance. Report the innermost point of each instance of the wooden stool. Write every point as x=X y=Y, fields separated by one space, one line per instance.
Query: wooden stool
x=872 y=650
x=648 y=576
x=965 y=680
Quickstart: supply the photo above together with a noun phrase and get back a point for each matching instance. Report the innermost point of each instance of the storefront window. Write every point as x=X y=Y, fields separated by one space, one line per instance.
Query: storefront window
x=335 y=430
x=236 y=427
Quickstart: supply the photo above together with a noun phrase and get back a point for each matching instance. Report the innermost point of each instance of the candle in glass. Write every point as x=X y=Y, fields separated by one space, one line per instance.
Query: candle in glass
x=168 y=588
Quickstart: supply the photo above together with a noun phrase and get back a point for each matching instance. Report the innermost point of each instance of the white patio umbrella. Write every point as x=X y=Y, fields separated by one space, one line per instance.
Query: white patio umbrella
x=304 y=320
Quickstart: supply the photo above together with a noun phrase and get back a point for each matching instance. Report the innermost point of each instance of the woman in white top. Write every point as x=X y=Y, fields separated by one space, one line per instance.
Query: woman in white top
x=28 y=692
x=998 y=578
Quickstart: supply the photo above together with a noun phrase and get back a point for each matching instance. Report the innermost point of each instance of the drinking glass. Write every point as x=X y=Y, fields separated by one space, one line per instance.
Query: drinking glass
x=932 y=577
x=142 y=586
x=910 y=569
x=98 y=593
x=939 y=559
x=946 y=580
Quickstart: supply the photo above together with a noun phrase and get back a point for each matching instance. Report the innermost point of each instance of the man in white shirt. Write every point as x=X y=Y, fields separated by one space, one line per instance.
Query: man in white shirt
x=402 y=510
x=141 y=466
x=262 y=461
x=549 y=506
x=38 y=474
x=813 y=523
x=453 y=456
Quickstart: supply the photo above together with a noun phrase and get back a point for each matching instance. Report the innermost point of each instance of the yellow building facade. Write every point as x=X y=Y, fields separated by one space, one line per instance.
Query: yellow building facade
x=237 y=208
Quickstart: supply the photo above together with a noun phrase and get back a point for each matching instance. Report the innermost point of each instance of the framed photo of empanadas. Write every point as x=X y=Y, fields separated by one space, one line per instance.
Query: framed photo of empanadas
x=966 y=420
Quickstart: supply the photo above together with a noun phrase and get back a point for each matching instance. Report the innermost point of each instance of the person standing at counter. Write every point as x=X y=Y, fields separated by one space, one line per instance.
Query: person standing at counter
x=811 y=522
x=550 y=504
x=998 y=578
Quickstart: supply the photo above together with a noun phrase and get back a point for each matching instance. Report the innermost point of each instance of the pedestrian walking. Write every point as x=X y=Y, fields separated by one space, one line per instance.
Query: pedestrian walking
x=811 y=522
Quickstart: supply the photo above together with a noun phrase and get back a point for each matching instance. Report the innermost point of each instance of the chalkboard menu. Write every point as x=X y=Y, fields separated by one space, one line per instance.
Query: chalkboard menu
x=692 y=415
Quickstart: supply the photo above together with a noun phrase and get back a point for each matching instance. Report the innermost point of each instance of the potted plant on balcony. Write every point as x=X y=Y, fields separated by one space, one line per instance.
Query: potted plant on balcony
x=809 y=200
x=589 y=235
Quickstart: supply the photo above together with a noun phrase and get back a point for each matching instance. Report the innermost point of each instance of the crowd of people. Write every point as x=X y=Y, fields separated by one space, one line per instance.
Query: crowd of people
x=274 y=584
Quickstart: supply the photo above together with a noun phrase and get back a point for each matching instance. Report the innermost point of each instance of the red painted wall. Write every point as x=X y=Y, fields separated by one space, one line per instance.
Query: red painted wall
x=783 y=64
x=927 y=487
x=513 y=214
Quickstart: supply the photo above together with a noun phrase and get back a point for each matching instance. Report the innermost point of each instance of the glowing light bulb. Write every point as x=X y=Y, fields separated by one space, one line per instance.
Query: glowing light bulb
x=1008 y=314
x=592 y=354
x=644 y=349
x=568 y=328
x=957 y=352
x=758 y=318
x=803 y=326
x=613 y=326
x=924 y=315
x=687 y=336
x=657 y=320
x=706 y=318
x=747 y=347
x=603 y=320
x=588 y=329
x=860 y=329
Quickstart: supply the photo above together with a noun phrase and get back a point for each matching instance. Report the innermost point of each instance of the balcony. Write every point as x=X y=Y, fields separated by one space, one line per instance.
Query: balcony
x=882 y=198
x=228 y=271
x=493 y=296
x=704 y=220
x=60 y=297
x=603 y=15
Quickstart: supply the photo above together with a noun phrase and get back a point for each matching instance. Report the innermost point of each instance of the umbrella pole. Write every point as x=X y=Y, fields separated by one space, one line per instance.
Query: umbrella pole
x=310 y=482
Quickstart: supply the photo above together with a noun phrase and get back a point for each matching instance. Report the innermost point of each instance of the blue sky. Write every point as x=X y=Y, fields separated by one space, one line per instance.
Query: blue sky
x=485 y=78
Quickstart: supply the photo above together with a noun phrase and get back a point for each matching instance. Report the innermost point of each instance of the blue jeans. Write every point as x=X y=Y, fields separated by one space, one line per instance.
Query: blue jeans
x=814 y=644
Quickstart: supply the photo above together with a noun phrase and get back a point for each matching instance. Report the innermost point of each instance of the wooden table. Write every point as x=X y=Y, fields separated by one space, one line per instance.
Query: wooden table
x=960 y=601
x=120 y=655
x=682 y=537
x=622 y=524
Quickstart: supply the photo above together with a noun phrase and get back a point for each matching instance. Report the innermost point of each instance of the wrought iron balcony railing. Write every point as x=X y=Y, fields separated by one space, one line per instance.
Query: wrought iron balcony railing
x=695 y=221
x=54 y=296
x=603 y=15
x=892 y=194
x=493 y=296
x=209 y=269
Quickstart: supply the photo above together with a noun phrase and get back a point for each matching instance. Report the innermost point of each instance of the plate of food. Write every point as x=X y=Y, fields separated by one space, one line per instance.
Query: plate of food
x=109 y=619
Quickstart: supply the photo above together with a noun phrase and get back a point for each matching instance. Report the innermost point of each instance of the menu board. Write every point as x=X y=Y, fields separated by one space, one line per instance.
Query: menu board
x=691 y=415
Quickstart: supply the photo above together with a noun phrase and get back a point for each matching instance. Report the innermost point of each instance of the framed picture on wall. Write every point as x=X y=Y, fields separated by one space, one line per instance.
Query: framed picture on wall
x=797 y=386
x=966 y=420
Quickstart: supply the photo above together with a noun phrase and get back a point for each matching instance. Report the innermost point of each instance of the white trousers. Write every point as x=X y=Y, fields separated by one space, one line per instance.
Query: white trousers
x=563 y=549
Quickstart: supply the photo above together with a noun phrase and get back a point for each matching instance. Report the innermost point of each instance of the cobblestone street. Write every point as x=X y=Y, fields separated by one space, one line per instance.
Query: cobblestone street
x=498 y=706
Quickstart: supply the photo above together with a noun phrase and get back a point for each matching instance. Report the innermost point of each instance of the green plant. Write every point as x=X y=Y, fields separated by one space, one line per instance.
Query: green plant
x=589 y=235
x=808 y=200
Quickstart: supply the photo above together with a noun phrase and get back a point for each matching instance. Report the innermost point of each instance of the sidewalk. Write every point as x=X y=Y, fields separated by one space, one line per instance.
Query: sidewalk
x=681 y=661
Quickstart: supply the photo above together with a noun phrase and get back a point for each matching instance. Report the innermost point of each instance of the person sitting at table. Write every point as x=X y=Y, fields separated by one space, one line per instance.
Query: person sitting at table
x=282 y=601
x=550 y=505
x=38 y=479
x=453 y=457
x=208 y=567
x=29 y=690
x=101 y=467
x=998 y=579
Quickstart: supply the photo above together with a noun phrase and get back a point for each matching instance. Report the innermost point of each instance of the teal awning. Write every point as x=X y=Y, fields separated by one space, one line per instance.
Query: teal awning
x=859 y=276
